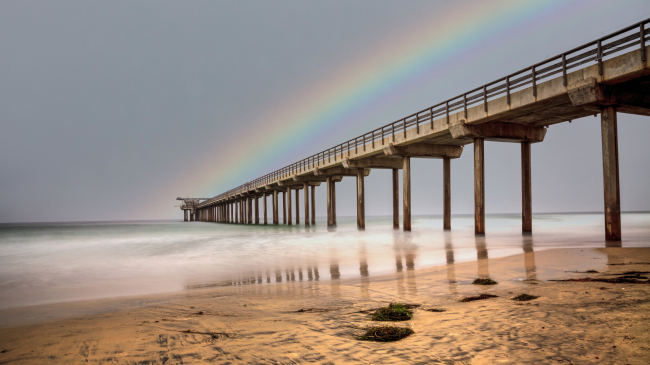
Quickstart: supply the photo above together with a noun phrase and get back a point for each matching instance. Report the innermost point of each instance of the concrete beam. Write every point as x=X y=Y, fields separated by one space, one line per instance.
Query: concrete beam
x=309 y=178
x=631 y=98
x=300 y=185
x=339 y=171
x=373 y=163
x=271 y=188
x=423 y=150
x=498 y=131
x=313 y=180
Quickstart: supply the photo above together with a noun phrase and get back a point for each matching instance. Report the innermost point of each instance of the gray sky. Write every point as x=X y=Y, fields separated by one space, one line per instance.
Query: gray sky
x=110 y=110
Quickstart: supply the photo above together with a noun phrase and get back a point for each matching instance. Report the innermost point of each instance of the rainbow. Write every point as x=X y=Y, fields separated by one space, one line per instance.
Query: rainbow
x=425 y=51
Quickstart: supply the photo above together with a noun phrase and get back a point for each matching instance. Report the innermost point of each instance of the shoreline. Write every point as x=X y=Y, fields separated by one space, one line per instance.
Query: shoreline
x=263 y=324
x=59 y=310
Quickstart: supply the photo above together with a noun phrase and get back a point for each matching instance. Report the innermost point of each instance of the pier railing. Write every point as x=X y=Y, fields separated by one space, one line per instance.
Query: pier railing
x=609 y=46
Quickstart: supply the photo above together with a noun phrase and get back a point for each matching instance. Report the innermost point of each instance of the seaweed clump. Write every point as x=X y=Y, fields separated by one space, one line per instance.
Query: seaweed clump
x=525 y=297
x=486 y=281
x=394 y=312
x=478 y=297
x=385 y=333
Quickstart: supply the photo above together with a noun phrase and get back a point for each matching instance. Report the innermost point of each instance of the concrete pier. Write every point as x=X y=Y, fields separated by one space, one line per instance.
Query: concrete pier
x=479 y=186
x=257 y=209
x=510 y=109
x=185 y=218
x=609 y=129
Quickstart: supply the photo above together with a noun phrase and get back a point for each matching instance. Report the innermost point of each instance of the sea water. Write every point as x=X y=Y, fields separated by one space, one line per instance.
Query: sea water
x=58 y=262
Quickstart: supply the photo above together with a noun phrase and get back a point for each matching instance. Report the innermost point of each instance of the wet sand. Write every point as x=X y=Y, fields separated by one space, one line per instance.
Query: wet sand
x=313 y=321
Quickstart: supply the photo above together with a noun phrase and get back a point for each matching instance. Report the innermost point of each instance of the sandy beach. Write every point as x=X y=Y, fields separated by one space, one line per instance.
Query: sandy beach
x=318 y=321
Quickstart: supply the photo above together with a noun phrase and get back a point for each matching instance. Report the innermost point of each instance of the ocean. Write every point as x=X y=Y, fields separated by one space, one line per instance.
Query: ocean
x=60 y=262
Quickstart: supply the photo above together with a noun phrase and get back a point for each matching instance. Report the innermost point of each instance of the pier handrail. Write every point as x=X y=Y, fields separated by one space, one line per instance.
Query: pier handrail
x=596 y=51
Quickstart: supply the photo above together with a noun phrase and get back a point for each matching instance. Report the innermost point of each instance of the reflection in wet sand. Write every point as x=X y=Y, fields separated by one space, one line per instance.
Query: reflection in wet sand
x=529 y=258
x=403 y=248
x=482 y=256
x=451 y=268
x=363 y=271
x=335 y=275
x=398 y=266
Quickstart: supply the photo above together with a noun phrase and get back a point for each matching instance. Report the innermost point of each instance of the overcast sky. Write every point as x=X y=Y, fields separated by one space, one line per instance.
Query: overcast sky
x=110 y=110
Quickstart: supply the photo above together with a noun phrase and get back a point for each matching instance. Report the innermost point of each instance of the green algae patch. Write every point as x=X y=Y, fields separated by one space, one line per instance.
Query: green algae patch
x=486 y=281
x=385 y=333
x=394 y=312
x=478 y=297
x=525 y=297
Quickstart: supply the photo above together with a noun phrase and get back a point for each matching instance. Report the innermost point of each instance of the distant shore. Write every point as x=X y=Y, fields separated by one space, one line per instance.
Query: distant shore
x=318 y=321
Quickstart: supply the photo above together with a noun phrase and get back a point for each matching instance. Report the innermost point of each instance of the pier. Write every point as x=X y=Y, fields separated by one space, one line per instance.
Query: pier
x=602 y=78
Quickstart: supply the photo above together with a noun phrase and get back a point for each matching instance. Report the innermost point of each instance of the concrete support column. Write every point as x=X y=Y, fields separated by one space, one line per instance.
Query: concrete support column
x=185 y=218
x=406 y=183
x=264 y=207
x=330 y=220
x=313 y=205
x=297 y=207
x=249 y=208
x=257 y=209
x=276 y=219
x=446 y=187
x=191 y=216
x=284 y=208
x=609 y=128
x=288 y=205
x=526 y=190
x=479 y=186
x=305 y=187
x=395 y=199
x=361 y=204
x=334 y=203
